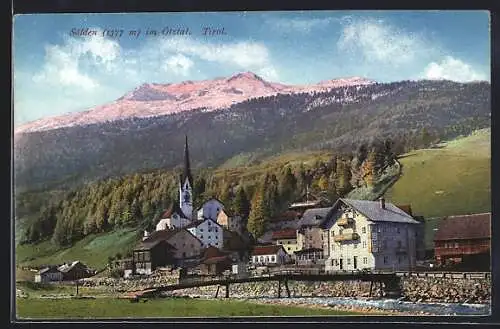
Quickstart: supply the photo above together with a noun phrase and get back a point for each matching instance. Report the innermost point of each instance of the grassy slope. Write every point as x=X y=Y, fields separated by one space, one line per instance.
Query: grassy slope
x=114 y=308
x=93 y=250
x=452 y=180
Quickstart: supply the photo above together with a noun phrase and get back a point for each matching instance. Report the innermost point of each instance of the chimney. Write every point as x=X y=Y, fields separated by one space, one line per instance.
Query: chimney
x=382 y=203
x=146 y=234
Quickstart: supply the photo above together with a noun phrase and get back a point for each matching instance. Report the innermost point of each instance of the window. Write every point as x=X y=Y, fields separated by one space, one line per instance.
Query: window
x=334 y=262
x=363 y=230
x=209 y=237
x=273 y=258
x=216 y=230
x=209 y=223
x=288 y=248
x=201 y=237
x=365 y=260
x=355 y=246
x=201 y=230
x=385 y=260
x=348 y=261
x=364 y=244
x=183 y=254
x=340 y=231
x=333 y=233
x=399 y=259
x=398 y=230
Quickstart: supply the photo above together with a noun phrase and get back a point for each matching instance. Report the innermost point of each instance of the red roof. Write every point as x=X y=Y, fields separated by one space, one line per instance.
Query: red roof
x=285 y=234
x=266 y=250
x=477 y=226
x=215 y=260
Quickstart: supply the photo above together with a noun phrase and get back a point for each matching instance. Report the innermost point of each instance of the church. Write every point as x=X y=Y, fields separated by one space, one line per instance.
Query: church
x=203 y=222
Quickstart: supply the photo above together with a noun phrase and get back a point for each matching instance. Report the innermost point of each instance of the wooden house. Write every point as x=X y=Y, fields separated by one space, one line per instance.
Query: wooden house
x=49 y=274
x=462 y=237
x=149 y=255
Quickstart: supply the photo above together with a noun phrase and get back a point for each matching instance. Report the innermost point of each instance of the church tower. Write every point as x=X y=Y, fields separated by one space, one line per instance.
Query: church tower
x=186 y=186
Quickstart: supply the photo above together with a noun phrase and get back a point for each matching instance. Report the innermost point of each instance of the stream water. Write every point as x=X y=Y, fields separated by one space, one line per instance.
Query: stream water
x=392 y=304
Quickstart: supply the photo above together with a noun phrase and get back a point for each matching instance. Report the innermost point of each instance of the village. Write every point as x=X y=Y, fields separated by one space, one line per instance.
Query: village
x=313 y=234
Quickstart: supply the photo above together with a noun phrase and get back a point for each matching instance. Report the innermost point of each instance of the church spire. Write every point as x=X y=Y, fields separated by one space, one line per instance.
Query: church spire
x=187 y=165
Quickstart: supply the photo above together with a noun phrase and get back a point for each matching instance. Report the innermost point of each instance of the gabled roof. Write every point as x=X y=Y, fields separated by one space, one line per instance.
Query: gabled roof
x=371 y=210
x=313 y=217
x=49 y=269
x=167 y=234
x=285 y=234
x=147 y=245
x=174 y=208
x=201 y=221
x=68 y=267
x=266 y=250
x=476 y=226
x=210 y=199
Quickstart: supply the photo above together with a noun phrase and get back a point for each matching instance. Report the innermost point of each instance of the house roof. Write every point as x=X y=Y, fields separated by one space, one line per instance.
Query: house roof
x=375 y=213
x=285 y=234
x=313 y=217
x=167 y=234
x=68 y=267
x=305 y=251
x=49 y=269
x=210 y=199
x=174 y=208
x=476 y=226
x=146 y=245
x=215 y=260
x=266 y=250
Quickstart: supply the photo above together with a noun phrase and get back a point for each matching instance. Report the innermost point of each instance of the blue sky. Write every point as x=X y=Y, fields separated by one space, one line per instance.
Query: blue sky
x=56 y=73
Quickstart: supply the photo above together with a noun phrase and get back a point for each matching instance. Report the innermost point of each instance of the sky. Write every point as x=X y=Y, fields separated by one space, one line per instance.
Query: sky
x=57 y=72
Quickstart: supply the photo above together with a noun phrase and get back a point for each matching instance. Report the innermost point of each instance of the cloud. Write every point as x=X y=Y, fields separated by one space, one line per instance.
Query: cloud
x=453 y=69
x=63 y=63
x=301 y=25
x=243 y=55
x=378 y=42
x=178 y=64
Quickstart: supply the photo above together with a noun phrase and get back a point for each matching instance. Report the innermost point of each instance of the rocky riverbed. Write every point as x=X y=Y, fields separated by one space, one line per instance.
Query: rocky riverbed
x=444 y=290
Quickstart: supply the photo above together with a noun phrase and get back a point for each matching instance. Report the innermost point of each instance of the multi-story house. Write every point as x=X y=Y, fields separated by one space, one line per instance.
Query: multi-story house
x=309 y=232
x=173 y=218
x=363 y=234
x=269 y=255
x=230 y=221
x=208 y=231
x=288 y=239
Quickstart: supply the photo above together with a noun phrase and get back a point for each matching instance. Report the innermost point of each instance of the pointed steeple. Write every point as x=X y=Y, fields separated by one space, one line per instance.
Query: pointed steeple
x=187 y=165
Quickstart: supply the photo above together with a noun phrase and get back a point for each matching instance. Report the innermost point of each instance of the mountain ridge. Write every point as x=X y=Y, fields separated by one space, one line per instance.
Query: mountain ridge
x=154 y=99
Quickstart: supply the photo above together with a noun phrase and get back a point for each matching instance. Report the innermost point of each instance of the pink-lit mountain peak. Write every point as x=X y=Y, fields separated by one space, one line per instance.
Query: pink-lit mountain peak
x=153 y=99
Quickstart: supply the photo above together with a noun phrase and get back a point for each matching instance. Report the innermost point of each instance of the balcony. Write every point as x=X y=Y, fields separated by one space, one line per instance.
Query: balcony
x=346 y=237
x=345 y=221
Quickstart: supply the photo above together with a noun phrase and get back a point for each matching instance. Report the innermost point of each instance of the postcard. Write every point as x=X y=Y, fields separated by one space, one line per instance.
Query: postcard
x=252 y=164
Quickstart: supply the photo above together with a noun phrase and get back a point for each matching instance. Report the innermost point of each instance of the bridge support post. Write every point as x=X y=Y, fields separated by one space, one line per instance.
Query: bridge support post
x=381 y=289
x=279 y=288
x=217 y=292
x=287 y=289
x=227 y=290
x=371 y=288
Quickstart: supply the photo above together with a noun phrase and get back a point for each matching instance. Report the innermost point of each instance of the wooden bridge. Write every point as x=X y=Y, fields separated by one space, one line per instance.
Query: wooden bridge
x=388 y=282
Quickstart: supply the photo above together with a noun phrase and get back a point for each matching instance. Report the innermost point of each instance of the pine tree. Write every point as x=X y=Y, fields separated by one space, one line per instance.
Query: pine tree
x=258 y=216
x=241 y=203
x=288 y=185
x=323 y=183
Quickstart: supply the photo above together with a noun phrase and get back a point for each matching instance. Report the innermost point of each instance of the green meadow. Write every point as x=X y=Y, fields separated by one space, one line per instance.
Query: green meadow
x=102 y=308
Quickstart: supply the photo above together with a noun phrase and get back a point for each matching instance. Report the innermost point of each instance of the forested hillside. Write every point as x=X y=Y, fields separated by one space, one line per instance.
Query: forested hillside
x=337 y=120
x=257 y=192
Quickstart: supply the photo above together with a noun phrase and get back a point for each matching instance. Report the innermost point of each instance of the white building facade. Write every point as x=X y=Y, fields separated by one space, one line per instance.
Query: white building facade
x=372 y=235
x=209 y=232
x=269 y=255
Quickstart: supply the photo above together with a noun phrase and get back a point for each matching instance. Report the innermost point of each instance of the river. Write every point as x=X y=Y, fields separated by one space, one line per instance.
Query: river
x=435 y=309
